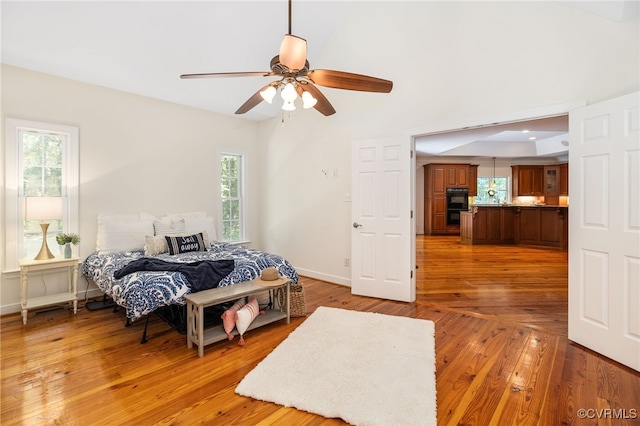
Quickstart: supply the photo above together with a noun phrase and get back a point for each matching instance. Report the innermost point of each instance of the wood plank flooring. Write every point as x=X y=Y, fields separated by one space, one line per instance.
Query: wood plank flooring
x=502 y=355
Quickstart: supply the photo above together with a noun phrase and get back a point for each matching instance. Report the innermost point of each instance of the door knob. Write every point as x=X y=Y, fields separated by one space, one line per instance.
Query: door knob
x=356 y=225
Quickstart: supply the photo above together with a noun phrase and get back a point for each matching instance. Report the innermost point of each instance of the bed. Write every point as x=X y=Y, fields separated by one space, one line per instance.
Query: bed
x=125 y=240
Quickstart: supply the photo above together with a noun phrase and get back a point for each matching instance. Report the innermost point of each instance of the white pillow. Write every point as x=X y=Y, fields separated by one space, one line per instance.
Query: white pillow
x=245 y=317
x=157 y=244
x=122 y=233
x=174 y=227
x=194 y=225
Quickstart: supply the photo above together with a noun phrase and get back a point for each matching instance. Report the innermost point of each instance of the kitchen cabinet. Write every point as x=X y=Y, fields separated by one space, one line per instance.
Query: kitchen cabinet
x=439 y=177
x=439 y=214
x=487 y=225
x=527 y=180
x=535 y=226
x=542 y=226
x=552 y=185
x=564 y=179
x=437 y=182
x=457 y=176
x=473 y=180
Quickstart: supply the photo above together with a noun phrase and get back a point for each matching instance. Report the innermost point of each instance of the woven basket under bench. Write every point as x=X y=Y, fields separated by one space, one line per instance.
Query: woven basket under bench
x=297 y=302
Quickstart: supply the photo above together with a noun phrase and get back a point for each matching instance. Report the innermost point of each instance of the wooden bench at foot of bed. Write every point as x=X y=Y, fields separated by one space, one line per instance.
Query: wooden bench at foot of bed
x=197 y=302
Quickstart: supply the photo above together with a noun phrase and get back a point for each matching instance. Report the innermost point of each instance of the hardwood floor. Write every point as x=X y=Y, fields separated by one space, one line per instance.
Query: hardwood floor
x=503 y=357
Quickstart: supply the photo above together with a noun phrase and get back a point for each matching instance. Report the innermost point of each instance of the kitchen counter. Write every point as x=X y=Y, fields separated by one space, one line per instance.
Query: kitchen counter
x=519 y=205
x=541 y=225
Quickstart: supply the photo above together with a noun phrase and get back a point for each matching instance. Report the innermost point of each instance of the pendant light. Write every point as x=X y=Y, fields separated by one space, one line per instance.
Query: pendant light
x=492 y=186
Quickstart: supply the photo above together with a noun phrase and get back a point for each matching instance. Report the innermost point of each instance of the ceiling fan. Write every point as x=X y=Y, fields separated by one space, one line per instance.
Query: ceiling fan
x=296 y=79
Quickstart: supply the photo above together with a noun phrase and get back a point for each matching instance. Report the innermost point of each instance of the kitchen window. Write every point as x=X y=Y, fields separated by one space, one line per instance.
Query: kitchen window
x=501 y=188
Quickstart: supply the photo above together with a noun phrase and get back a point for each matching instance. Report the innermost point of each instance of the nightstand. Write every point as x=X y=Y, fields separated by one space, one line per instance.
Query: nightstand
x=31 y=265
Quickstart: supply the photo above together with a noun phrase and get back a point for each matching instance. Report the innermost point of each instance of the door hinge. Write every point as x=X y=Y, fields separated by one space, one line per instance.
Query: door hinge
x=411 y=274
x=411 y=153
x=411 y=216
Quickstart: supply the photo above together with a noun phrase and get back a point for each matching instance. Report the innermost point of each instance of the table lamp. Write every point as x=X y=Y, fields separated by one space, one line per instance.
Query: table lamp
x=43 y=209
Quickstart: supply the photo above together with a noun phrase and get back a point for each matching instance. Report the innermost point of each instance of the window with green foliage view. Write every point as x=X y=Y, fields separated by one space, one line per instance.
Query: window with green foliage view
x=232 y=197
x=42 y=165
x=501 y=188
x=41 y=160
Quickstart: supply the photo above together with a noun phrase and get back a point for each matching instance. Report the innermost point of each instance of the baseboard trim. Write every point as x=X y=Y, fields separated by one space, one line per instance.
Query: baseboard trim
x=16 y=308
x=324 y=277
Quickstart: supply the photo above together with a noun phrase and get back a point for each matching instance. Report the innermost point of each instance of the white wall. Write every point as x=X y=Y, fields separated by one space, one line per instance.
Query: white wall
x=451 y=63
x=136 y=154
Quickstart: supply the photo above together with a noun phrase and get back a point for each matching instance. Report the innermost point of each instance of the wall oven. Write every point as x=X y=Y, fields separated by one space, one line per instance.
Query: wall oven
x=457 y=201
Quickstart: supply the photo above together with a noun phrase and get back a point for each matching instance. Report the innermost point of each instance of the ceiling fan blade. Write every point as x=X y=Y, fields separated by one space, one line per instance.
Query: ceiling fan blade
x=349 y=81
x=228 y=74
x=252 y=101
x=323 y=105
x=293 y=52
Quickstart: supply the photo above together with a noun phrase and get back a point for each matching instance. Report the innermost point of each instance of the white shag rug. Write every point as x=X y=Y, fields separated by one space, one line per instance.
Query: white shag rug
x=362 y=367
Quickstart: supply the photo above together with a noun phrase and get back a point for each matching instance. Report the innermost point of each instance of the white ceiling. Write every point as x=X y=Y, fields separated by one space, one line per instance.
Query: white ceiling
x=545 y=137
x=142 y=47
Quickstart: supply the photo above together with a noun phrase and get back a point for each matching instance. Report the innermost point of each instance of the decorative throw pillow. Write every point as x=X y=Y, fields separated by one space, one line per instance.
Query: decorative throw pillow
x=185 y=243
x=158 y=244
x=155 y=245
x=172 y=227
x=245 y=317
x=229 y=317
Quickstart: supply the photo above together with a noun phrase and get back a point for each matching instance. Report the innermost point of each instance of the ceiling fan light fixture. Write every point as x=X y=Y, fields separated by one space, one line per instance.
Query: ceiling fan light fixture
x=289 y=93
x=308 y=101
x=297 y=78
x=268 y=94
x=293 y=52
x=288 y=106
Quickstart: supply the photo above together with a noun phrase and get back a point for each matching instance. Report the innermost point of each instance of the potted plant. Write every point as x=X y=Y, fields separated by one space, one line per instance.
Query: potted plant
x=66 y=240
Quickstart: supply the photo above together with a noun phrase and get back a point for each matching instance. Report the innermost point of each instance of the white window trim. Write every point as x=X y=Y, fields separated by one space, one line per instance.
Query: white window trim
x=13 y=185
x=244 y=239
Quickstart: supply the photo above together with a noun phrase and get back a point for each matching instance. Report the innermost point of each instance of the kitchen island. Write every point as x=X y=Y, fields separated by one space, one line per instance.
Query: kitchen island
x=535 y=225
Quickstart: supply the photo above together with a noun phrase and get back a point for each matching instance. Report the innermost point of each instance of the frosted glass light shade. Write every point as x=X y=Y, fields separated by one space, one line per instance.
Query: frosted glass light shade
x=268 y=94
x=289 y=93
x=308 y=101
x=43 y=208
x=288 y=106
x=293 y=52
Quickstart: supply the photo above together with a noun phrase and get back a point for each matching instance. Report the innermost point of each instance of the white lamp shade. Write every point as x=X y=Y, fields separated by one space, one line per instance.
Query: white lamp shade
x=289 y=93
x=268 y=93
x=288 y=106
x=42 y=208
x=308 y=101
x=293 y=52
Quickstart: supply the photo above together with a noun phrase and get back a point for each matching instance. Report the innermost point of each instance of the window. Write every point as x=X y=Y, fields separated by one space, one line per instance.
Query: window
x=41 y=160
x=502 y=191
x=231 y=192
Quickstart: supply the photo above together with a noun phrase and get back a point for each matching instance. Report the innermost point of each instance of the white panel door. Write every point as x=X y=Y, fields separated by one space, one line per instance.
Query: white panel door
x=604 y=228
x=383 y=229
